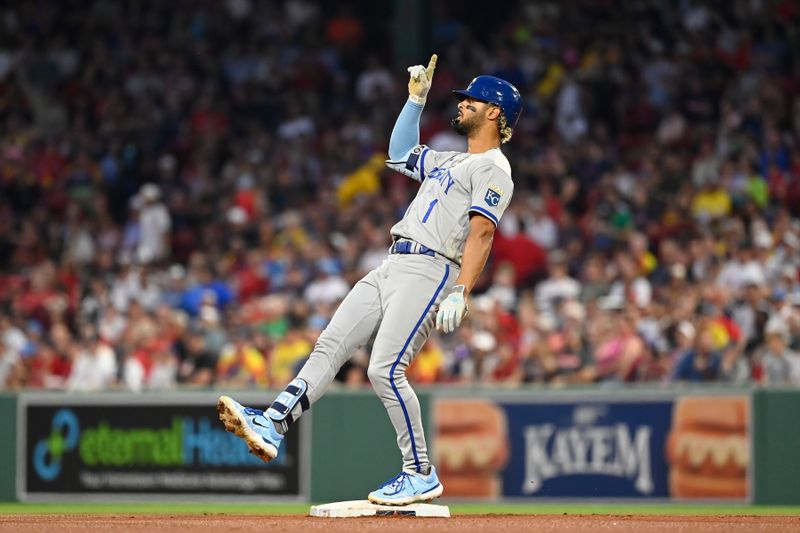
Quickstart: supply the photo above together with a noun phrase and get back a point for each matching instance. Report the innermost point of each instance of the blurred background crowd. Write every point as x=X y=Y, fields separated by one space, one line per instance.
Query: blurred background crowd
x=189 y=188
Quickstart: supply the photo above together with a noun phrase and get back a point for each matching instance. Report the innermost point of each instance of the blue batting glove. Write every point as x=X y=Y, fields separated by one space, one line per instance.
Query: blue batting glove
x=452 y=310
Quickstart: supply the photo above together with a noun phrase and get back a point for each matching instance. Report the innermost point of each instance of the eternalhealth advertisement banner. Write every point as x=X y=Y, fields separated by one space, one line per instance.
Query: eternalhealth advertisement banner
x=672 y=446
x=121 y=448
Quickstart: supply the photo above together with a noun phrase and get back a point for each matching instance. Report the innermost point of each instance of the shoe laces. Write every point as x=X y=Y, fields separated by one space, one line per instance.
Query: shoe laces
x=397 y=482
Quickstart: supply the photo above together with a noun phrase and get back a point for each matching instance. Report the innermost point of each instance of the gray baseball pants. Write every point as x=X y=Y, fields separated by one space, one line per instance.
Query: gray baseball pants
x=398 y=301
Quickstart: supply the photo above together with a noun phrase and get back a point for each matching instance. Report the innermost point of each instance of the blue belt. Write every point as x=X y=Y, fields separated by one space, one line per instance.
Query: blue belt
x=411 y=247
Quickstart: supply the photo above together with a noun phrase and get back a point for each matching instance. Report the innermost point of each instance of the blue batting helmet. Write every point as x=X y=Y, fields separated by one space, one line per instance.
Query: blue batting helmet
x=495 y=91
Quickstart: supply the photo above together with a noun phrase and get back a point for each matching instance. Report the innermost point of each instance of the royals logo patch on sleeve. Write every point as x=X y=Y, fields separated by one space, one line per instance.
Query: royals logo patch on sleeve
x=493 y=195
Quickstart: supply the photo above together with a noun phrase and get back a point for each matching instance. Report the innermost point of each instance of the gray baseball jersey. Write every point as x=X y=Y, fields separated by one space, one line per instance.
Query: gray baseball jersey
x=396 y=302
x=454 y=184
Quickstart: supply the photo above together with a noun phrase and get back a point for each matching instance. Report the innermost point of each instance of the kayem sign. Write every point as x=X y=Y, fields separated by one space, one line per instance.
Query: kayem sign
x=132 y=447
x=589 y=449
x=656 y=446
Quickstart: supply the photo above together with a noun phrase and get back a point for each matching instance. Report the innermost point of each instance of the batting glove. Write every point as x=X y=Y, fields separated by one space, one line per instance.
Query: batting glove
x=452 y=310
x=420 y=81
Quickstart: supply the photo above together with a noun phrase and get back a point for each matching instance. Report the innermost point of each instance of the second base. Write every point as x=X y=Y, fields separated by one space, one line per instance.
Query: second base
x=367 y=508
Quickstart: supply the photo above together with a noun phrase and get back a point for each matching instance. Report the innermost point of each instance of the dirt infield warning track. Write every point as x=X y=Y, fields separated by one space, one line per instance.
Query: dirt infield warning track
x=460 y=524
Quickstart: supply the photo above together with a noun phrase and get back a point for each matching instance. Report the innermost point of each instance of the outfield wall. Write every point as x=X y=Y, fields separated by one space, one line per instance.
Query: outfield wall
x=8 y=447
x=776 y=444
x=715 y=444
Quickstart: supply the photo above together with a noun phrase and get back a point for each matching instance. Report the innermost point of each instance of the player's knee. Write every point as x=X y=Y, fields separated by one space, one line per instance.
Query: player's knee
x=377 y=375
x=380 y=374
x=383 y=374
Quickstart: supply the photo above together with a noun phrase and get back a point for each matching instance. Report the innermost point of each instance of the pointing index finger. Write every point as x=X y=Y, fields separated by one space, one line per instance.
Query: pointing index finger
x=431 y=65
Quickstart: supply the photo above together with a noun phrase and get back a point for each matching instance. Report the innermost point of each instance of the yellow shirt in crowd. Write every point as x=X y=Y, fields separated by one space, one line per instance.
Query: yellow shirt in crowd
x=715 y=203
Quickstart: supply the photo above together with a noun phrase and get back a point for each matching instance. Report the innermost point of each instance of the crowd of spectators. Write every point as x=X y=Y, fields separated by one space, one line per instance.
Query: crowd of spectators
x=188 y=189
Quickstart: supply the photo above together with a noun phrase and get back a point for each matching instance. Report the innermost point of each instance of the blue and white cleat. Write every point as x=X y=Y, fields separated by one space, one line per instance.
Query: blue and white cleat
x=252 y=426
x=405 y=488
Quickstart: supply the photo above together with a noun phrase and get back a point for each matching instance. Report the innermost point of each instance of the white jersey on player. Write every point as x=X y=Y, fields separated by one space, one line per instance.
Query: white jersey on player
x=454 y=184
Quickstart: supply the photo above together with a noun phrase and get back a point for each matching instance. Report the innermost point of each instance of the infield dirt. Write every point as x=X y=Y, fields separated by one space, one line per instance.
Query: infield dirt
x=460 y=524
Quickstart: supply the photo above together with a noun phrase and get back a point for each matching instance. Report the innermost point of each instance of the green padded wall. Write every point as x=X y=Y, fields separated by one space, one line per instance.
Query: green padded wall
x=354 y=447
x=8 y=448
x=776 y=453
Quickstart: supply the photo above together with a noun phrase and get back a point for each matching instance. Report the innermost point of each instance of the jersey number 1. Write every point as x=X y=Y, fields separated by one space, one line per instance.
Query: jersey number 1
x=430 y=208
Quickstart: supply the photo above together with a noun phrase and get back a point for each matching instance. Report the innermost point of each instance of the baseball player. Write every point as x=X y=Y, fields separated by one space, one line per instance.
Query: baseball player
x=439 y=249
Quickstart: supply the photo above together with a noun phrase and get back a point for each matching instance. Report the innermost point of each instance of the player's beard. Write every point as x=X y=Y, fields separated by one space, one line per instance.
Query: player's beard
x=465 y=126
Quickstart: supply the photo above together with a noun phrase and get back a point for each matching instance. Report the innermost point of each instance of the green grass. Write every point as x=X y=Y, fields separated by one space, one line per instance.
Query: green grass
x=152 y=508
x=455 y=509
x=624 y=509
